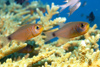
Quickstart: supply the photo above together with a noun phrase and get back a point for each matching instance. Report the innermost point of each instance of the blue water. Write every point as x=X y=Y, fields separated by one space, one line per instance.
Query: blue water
x=92 y=5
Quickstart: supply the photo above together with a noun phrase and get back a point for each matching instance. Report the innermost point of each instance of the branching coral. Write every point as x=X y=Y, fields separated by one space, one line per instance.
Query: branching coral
x=46 y=22
x=83 y=56
x=11 y=21
x=76 y=52
x=13 y=48
x=26 y=62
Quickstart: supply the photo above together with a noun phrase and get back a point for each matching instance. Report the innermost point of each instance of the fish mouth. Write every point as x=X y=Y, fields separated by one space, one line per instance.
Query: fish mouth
x=87 y=26
x=41 y=29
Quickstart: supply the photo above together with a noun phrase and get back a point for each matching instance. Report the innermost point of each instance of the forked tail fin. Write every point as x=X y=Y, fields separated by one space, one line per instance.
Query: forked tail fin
x=62 y=7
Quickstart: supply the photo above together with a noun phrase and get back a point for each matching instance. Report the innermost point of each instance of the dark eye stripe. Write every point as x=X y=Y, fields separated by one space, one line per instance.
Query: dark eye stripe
x=9 y=38
x=82 y=25
x=53 y=34
x=79 y=30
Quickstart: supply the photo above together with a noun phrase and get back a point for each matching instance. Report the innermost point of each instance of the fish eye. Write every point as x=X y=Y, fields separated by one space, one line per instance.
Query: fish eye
x=82 y=25
x=37 y=27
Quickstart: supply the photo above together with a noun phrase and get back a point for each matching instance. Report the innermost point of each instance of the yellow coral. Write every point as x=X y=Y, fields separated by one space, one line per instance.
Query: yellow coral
x=56 y=53
x=13 y=48
x=26 y=62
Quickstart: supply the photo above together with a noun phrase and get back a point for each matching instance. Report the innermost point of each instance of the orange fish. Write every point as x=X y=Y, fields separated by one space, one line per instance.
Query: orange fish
x=25 y=32
x=31 y=11
x=34 y=10
x=42 y=9
x=27 y=49
x=69 y=30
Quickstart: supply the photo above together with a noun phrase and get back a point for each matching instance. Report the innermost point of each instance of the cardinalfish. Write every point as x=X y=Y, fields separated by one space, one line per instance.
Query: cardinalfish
x=27 y=49
x=84 y=4
x=42 y=9
x=24 y=33
x=31 y=11
x=69 y=30
x=34 y=10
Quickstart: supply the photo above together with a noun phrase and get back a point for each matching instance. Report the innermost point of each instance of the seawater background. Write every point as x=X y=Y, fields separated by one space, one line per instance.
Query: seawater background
x=92 y=5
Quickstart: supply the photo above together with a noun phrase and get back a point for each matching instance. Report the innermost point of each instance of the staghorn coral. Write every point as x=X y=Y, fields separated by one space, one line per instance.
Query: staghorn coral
x=76 y=52
x=83 y=56
x=26 y=62
x=11 y=21
x=6 y=50
x=16 y=8
x=46 y=22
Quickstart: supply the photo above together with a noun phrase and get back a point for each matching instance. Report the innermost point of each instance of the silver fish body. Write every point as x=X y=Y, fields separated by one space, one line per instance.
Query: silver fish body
x=70 y=3
x=74 y=8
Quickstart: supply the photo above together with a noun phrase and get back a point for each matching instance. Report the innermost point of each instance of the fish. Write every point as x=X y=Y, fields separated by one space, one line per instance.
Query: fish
x=74 y=8
x=24 y=33
x=34 y=10
x=84 y=4
x=41 y=9
x=20 y=1
x=25 y=4
x=91 y=17
x=69 y=30
x=7 y=2
x=31 y=11
x=27 y=49
x=69 y=3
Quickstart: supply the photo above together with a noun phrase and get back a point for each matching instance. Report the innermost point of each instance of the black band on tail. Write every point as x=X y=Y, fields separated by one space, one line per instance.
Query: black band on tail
x=9 y=38
x=53 y=34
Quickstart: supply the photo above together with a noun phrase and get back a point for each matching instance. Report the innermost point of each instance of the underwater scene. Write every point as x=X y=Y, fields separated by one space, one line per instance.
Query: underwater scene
x=49 y=33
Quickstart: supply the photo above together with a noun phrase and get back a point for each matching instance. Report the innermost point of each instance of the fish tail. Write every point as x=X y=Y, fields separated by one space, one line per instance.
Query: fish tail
x=49 y=36
x=69 y=14
x=4 y=40
x=61 y=25
x=63 y=7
